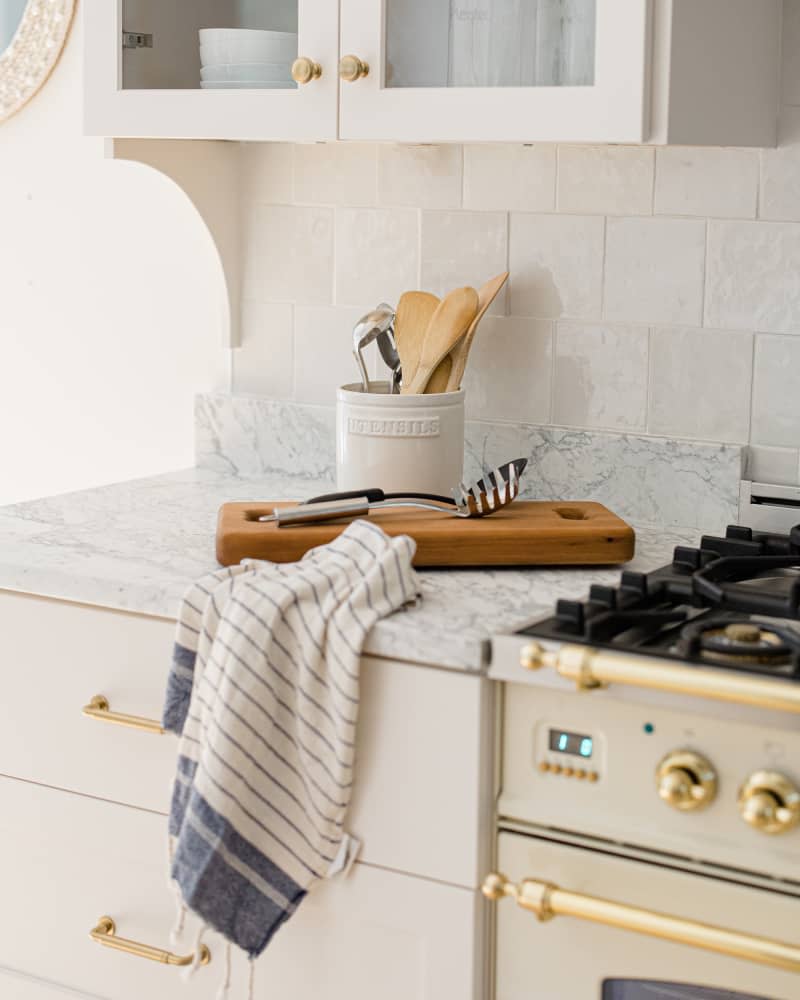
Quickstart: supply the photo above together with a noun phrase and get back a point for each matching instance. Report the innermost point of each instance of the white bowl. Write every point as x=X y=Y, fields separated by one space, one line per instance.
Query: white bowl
x=227 y=46
x=248 y=71
x=247 y=85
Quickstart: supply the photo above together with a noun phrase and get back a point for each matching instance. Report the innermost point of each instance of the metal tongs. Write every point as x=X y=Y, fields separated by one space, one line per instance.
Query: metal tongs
x=378 y=325
x=496 y=490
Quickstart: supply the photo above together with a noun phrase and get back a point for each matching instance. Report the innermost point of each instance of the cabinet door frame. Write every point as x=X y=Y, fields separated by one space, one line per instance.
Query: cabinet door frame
x=308 y=113
x=615 y=109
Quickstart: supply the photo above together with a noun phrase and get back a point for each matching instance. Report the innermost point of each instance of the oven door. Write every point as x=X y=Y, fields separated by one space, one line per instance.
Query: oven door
x=586 y=949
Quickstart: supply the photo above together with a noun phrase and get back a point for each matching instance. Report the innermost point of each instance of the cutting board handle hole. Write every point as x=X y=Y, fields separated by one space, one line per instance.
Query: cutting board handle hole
x=571 y=513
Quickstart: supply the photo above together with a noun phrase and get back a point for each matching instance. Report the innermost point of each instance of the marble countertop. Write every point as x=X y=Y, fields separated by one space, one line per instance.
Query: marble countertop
x=137 y=545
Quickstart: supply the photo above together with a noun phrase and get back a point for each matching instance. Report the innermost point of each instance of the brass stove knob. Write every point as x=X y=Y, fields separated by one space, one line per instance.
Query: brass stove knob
x=351 y=68
x=686 y=780
x=769 y=802
x=304 y=70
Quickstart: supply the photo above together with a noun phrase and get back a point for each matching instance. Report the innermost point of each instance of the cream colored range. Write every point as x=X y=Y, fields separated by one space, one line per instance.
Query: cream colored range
x=83 y=805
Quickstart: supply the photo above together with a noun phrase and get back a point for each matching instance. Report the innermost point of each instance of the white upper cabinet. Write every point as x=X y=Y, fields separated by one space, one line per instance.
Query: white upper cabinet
x=143 y=75
x=679 y=71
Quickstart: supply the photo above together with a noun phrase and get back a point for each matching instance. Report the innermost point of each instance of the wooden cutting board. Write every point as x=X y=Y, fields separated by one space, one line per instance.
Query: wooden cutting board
x=528 y=533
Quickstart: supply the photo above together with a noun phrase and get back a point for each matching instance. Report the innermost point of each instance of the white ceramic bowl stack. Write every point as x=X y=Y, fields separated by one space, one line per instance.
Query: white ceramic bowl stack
x=246 y=59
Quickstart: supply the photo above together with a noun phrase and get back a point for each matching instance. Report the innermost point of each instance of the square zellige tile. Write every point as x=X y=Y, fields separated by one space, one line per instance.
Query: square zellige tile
x=776 y=392
x=289 y=255
x=510 y=178
x=556 y=264
x=601 y=376
x=780 y=171
x=508 y=375
x=377 y=254
x=706 y=181
x=654 y=270
x=610 y=180
x=700 y=384
x=335 y=173
x=423 y=176
x=753 y=278
x=323 y=352
x=464 y=248
x=264 y=363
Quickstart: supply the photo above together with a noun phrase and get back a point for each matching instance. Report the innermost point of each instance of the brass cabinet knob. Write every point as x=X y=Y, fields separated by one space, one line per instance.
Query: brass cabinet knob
x=351 y=68
x=685 y=780
x=304 y=70
x=769 y=802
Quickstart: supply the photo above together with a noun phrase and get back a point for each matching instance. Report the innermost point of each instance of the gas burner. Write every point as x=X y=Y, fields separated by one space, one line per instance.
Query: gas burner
x=739 y=642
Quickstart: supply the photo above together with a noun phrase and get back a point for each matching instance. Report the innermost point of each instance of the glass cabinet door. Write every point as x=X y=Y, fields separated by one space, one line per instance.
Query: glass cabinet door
x=518 y=70
x=226 y=69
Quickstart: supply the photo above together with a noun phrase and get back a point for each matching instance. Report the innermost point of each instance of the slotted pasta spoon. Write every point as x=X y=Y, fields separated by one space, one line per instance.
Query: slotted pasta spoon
x=496 y=490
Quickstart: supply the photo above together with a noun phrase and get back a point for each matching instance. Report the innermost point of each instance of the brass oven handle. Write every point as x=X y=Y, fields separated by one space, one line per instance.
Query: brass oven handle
x=547 y=901
x=105 y=933
x=99 y=708
x=595 y=668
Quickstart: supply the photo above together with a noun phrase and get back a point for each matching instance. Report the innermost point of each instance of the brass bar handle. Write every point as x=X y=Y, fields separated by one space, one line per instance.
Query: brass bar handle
x=546 y=901
x=99 y=708
x=105 y=933
x=596 y=668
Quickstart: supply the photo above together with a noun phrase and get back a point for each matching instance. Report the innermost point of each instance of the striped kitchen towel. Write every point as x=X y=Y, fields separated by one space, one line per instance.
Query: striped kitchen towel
x=264 y=694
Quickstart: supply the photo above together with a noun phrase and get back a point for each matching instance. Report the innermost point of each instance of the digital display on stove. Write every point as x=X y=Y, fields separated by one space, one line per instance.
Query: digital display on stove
x=576 y=744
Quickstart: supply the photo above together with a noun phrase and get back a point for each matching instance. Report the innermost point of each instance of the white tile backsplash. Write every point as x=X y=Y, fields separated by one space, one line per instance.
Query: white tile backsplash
x=377 y=255
x=556 y=264
x=702 y=182
x=776 y=391
x=335 y=173
x=422 y=176
x=609 y=180
x=510 y=178
x=601 y=376
x=654 y=270
x=753 y=276
x=653 y=291
x=464 y=248
x=700 y=383
x=509 y=372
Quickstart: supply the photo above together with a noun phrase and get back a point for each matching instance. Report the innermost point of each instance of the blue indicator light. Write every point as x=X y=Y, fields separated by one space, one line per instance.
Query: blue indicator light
x=563 y=739
x=649 y=727
x=586 y=747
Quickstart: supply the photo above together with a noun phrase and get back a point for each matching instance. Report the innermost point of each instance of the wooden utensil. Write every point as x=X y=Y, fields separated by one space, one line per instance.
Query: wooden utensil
x=450 y=371
x=447 y=326
x=413 y=314
x=526 y=533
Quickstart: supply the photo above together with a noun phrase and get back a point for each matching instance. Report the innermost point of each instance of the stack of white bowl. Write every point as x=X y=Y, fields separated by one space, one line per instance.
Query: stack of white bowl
x=246 y=59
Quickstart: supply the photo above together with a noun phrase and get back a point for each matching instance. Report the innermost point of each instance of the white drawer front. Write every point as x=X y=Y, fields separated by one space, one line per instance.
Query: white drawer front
x=58 y=656
x=67 y=860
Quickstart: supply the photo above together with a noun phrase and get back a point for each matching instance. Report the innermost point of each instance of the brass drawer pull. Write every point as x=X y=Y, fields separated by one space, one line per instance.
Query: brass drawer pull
x=98 y=708
x=106 y=933
x=590 y=669
x=548 y=901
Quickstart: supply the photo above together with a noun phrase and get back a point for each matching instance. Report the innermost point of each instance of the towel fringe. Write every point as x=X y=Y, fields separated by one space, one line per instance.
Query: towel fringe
x=251 y=992
x=190 y=970
x=225 y=986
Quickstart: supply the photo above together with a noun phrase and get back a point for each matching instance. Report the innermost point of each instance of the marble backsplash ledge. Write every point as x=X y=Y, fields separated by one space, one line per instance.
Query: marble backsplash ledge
x=646 y=479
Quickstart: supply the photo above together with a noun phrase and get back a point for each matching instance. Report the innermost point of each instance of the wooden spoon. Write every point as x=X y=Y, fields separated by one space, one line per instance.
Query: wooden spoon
x=447 y=326
x=450 y=372
x=414 y=311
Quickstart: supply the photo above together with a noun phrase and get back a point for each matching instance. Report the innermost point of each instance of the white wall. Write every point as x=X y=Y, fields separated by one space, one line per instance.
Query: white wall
x=652 y=291
x=110 y=305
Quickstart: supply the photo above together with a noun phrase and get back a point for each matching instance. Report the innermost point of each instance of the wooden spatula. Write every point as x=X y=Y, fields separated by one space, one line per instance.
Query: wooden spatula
x=447 y=326
x=450 y=371
x=414 y=311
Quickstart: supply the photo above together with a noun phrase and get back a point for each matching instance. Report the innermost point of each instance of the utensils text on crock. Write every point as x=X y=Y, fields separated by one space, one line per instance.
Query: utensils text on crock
x=447 y=326
x=450 y=372
x=496 y=490
x=414 y=311
x=367 y=329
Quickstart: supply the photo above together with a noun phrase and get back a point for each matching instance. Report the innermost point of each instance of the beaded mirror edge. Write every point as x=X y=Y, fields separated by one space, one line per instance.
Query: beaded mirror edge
x=27 y=63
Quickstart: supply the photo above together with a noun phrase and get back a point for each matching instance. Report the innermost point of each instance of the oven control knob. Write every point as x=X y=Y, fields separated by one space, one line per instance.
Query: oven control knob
x=769 y=802
x=686 y=780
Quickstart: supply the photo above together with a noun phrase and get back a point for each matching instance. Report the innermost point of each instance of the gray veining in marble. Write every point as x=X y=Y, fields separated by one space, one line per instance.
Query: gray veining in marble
x=646 y=479
x=136 y=546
